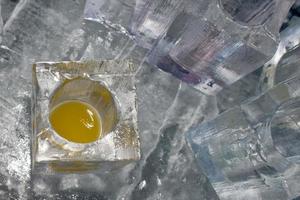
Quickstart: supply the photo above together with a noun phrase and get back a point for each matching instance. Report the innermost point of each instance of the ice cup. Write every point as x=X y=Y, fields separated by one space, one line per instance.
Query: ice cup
x=252 y=151
x=209 y=44
x=105 y=86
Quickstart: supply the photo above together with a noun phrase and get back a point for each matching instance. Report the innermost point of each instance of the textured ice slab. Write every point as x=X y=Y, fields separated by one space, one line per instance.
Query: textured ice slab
x=252 y=151
x=121 y=144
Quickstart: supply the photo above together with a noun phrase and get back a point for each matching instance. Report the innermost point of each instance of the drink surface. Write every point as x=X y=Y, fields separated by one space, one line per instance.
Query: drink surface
x=76 y=121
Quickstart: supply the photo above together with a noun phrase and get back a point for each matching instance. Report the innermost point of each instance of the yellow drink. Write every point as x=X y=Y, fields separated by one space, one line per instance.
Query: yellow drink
x=76 y=121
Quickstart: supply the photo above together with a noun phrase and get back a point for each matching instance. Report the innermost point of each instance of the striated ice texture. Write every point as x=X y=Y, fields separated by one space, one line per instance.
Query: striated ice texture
x=39 y=30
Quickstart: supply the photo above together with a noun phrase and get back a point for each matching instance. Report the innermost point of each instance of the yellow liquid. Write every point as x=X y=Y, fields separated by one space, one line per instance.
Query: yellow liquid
x=76 y=122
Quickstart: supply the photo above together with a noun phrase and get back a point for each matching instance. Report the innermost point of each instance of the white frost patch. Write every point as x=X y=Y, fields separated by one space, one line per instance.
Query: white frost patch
x=142 y=184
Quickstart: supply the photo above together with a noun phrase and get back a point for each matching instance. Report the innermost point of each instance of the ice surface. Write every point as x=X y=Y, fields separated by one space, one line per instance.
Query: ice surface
x=38 y=30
